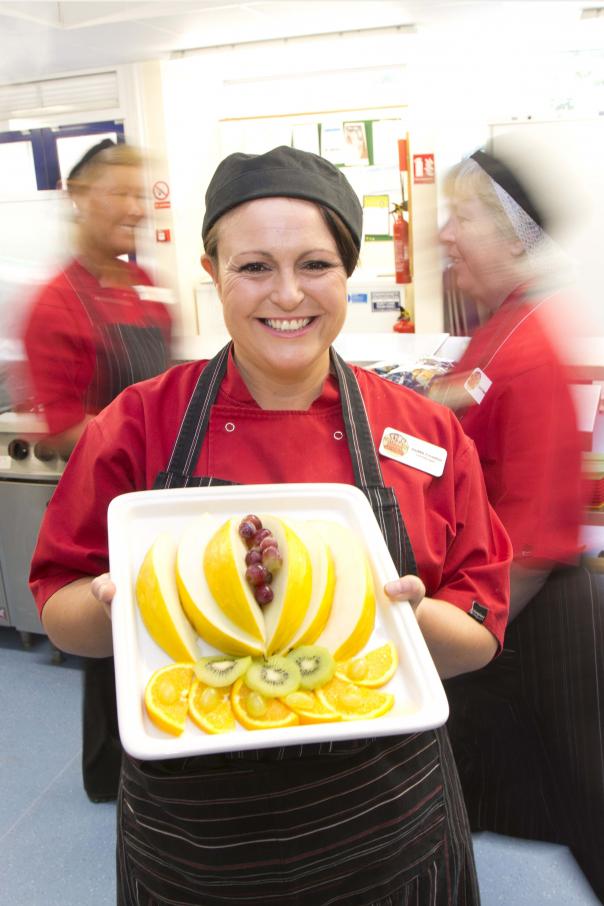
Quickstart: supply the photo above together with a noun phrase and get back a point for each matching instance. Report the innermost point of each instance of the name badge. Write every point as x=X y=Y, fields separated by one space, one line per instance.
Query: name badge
x=412 y=451
x=477 y=385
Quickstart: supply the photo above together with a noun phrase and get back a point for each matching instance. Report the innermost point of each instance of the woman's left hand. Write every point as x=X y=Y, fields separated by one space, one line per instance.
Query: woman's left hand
x=457 y=643
x=406 y=588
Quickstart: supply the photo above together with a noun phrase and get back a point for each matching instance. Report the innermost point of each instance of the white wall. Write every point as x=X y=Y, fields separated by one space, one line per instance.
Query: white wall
x=457 y=79
x=205 y=93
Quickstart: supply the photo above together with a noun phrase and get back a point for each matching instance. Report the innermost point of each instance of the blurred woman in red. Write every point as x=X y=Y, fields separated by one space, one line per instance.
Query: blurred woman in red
x=93 y=330
x=525 y=730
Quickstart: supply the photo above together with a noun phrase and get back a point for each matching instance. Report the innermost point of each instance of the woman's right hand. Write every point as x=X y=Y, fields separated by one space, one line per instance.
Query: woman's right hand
x=103 y=589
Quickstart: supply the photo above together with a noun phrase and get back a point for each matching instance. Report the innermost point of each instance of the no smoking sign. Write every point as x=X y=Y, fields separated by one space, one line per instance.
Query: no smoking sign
x=161 y=194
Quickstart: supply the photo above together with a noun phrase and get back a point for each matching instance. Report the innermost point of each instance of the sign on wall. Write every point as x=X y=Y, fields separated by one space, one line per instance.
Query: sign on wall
x=423 y=168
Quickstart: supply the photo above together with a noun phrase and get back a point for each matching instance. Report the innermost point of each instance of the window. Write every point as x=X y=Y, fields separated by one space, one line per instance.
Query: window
x=41 y=158
x=17 y=171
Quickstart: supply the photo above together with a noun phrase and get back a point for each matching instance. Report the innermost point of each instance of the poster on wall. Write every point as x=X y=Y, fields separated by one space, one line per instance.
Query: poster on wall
x=385 y=134
x=376 y=218
x=356 y=144
x=332 y=143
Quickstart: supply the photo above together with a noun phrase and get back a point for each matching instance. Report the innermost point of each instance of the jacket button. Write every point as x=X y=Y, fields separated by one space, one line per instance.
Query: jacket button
x=229 y=427
x=337 y=435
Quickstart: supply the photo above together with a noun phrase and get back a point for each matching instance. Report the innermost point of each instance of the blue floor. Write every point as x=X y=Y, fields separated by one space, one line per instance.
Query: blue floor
x=57 y=848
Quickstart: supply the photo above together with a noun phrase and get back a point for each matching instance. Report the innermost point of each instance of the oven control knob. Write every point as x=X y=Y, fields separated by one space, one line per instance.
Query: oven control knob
x=18 y=449
x=44 y=453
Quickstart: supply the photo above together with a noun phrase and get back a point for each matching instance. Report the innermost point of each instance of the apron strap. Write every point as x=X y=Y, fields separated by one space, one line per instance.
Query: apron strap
x=197 y=417
x=367 y=471
x=365 y=465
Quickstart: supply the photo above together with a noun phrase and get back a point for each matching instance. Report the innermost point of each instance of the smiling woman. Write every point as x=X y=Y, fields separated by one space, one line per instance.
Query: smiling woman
x=282 y=231
x=280 y=278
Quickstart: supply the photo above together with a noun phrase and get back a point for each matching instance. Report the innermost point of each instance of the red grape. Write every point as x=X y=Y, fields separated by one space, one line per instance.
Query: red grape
x=268 y=541
x=254 y=520
x=260 y=536
x=247 y=530
x=256 y=574
x=272 y=559
x=253 y=556
x=263 y=594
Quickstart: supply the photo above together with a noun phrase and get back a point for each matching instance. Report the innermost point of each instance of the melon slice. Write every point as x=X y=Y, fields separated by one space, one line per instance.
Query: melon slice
x=159 y=604
x=292 y=586
x=212 y=622
x=323 y=582
x=224 y=569
x=352 y=616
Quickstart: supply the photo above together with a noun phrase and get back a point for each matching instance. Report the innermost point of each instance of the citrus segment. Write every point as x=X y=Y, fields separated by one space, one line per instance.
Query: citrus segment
x=352 y=616
x=291 y=585
x=322 y=590
x=210 y=708
x=275 y=715
x=309 y=708
x=208 y=618
x=373 y=669
x=158 y=602
x=354 y=702
x=167 y=697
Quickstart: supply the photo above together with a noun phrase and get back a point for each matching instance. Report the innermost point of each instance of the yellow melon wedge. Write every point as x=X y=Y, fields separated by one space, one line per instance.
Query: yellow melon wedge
x=292 y=586
x=159 y=605
x=208 y=618
x=352 y=616
x=323 y=584
x=224 y=569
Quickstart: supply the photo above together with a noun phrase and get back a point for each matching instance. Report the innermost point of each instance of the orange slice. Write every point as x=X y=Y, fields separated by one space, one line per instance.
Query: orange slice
x=373 y=669
x=276 y=714
x=167 y=697
x=309 y=708
x=354 y=702
x=210 y=708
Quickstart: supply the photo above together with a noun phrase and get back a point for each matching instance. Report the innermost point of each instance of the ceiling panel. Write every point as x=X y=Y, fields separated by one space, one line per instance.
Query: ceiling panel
x=40 y=39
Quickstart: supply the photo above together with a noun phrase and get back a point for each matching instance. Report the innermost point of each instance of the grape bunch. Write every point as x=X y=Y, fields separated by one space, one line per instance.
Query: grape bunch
x=263 y=557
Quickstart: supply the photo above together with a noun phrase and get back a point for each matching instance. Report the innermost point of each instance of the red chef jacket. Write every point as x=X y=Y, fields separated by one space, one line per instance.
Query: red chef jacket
x=525 y=431
x=462 y=551
x=60 y=337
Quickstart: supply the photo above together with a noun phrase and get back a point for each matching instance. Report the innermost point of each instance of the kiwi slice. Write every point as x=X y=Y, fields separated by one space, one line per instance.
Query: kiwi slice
x=273 y=676
x=221 y=669
x=315 y=663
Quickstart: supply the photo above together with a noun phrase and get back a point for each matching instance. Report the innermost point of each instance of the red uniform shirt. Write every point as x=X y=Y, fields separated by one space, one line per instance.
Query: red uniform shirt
x=525 y=431
x=61 y=339
x=461 y=548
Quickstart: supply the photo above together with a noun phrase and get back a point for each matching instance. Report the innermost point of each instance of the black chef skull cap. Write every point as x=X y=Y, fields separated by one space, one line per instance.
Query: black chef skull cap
x=87 y=157
x=504 y=176
x=282 y=172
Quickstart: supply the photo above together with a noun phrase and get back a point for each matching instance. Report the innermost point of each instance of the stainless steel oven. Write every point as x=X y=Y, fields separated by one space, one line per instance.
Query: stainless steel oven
x=29 y=472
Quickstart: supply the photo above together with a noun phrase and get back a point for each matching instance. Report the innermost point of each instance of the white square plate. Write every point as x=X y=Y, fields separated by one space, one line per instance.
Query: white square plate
x=135 y=520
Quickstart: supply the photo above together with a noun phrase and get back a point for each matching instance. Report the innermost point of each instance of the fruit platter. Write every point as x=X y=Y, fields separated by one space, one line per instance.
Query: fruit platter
x=254 y=616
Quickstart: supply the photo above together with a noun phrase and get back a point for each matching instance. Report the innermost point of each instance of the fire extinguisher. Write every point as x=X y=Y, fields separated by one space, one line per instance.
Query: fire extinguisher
x=404 y=324
x=400 y=232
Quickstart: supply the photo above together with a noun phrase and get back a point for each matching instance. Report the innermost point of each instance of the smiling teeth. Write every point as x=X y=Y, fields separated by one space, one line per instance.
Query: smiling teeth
x=296 y=324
